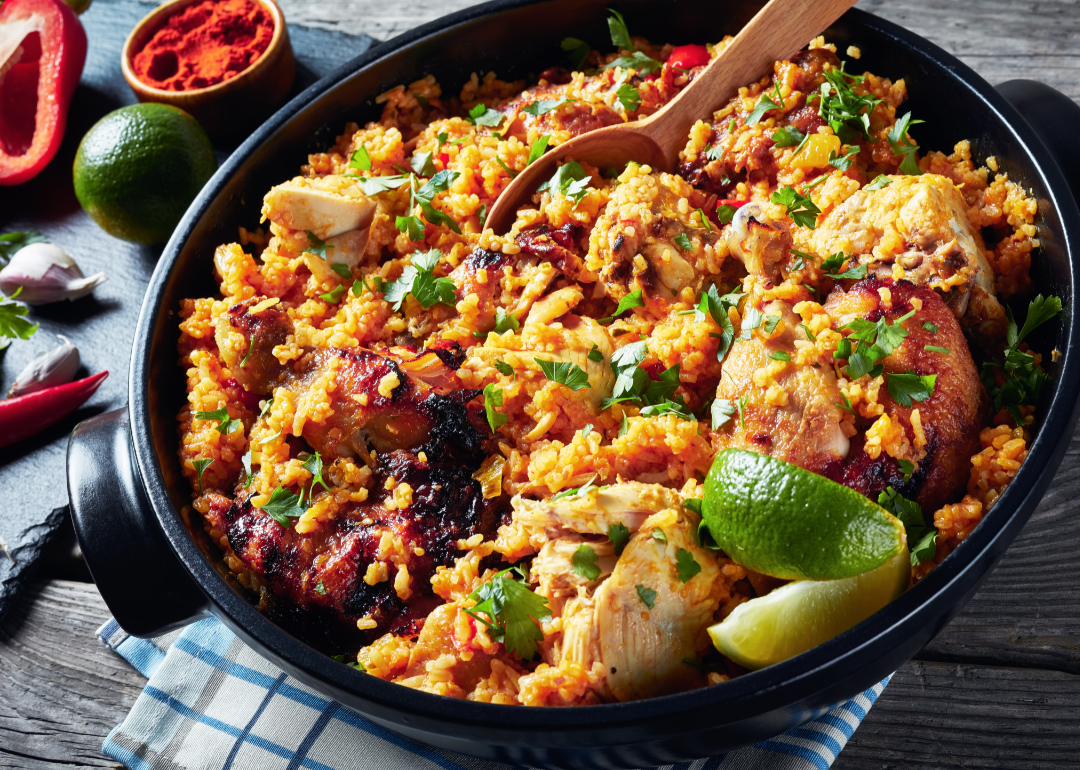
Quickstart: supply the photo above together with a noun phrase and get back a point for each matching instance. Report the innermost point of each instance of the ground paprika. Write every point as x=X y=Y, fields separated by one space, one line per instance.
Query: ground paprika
x=204 y=44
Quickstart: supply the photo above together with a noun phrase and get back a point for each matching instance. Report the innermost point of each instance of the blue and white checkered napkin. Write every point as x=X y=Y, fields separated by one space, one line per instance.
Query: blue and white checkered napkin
x=212 y=703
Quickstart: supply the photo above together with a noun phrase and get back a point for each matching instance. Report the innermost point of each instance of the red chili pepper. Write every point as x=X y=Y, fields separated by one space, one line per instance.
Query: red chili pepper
x=42 y=51
x=24 y=416
x=687 y=57
x=731 y=202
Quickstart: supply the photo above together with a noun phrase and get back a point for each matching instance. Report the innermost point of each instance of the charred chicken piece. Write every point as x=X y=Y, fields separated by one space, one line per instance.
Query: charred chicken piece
x=247 y=336
x=374 y=562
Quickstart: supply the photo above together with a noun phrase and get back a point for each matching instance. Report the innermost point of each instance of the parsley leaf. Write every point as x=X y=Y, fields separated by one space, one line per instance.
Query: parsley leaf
x=564 y=373
x=360 y=159
x=905 y=388
x=659 y=536
x=313 y=464
x=686 y=565
x=704 y=220
x=334 y=295
x=619 y=536
x=625 y=425
x=636 y=61
x=480 y=115
x=511 y=607
x=647 y=595
x=570 y=180
x=846 y=406
x=879 y=181
x=800 y=208
x=668 y=407
x=320 y=589
x=1023 y=380
x=578 y=50
x=200 y=467
x=225 y=425
x=282 y=506
x=715 y=153
x=505 y=322
x=584 y=561
x=12 y=242
x=779 y=355
x=620 y=36
x=903 y=146
x=544 y=106
x=419 y=280
x=316 y=246
x=628 y=96
x=752 y=320
x=493 y=397
x=936 y=349
x=630 y=301
x=921 y=538
x=684 y=242
x=845 y=111
x=764 y=105
x=504 y=368
x=788 y=136
x=595 y=354
x=930 y=327
x=725 y=212
x=722 y=412
x=1040 y=310
x=906 y=468
x=538 y=148
x=422 y=164
x=843 y=162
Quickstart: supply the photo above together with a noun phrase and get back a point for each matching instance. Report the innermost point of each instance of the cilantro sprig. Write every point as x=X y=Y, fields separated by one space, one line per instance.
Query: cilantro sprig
x=512 y=611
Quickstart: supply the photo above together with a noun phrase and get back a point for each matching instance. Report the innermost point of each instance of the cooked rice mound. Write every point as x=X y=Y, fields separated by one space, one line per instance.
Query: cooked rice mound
x=413 y=404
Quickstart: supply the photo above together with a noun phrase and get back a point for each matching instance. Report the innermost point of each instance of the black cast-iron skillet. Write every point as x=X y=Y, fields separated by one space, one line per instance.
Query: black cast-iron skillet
x=126 y=489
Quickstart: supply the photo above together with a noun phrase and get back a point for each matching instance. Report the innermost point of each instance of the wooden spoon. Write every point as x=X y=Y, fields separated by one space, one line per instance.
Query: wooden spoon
x=778 y=30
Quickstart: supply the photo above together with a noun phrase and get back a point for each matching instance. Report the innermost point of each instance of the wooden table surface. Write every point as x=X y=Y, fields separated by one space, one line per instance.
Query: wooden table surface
x=998 y=688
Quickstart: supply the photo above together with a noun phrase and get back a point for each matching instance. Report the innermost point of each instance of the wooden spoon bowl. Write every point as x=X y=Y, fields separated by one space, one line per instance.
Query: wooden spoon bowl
x=778 y=30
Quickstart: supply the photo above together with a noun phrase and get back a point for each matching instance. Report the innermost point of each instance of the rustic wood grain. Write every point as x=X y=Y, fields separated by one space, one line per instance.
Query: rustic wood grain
x=998 y=688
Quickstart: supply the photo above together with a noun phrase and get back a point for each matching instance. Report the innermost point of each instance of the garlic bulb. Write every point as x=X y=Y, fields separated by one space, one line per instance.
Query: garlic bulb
x=53 y=367
x=45 y=273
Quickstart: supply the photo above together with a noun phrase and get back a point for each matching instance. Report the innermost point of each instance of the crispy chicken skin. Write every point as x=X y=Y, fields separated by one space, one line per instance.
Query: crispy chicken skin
x=322 y=584
x=247 y=341
x=940 y=248
x=953 y=415
x=805 y=430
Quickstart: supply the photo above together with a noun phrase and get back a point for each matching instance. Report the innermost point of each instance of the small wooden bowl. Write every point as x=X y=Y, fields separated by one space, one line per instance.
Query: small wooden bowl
x=239 y=103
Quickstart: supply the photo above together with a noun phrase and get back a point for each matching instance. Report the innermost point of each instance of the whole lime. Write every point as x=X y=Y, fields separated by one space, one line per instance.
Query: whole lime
x=139 y=168
x=782 y=520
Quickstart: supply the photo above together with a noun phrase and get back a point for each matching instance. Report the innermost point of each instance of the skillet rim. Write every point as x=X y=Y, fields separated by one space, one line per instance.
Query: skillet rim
x=796 y=677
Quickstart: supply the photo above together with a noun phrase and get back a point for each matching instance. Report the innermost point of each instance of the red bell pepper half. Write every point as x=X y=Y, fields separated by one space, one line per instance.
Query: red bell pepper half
x=42 y=51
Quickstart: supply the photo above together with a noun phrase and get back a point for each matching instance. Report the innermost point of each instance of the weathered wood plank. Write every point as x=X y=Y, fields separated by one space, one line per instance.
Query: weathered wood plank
x=63 y=690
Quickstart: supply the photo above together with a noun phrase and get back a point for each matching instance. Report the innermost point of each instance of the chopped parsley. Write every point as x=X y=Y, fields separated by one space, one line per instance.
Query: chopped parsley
x=619 y=536
x=832 y=265
x=481 y=115
x=342 y=271
x=717 y=307
x=936 y=349
x=921 y=538
x=282 y=506
x=686 y=565
x=668 y=407
x=334 y=295
x=512 y=611
x=906 y=388
x=629 y=302
x=505 y=167
x=251 y=349
x=570 y=181
x=930 y=327
x=625 y=425
x=565 y=373
x=577 y=50
x=876 y=340
x=620 y=35
x=595 y=354
x=715 y=153
x=647 y=595
x=493 y=397
x=225 y=425
x=12 y=242
x=879 y=181
x=200 y=468
x=721 y=412
x=245 y=460
x=903 y=146
x=1023 y=379
x=752 y=320
x=779 y=355
x=584 y=561
x=788 y=136
x=628 y=97
x=538 y=148
x=800 y=208
x=12 y=321
x=845 y=111
x=704 y=220
x=320 y=589
x=504 y=368
x=576 y=491
x=843 y=162
x=906 y=468
x=412 y=225
x=725 y=212
x=378 y=184
x=636 y=61
x=684 y=242
x=422 y=164
x=846 y=406
x=764 y=105
x=316 y=246
x=587 y=430
x=809 y=334
x=544 y=106
x=419 y=280
x=313 y=464
x=659 y=536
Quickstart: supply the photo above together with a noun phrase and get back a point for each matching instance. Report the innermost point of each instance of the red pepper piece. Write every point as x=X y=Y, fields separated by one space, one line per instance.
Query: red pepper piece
x=42 y=51
x=687 y=57
x=731 y=202
x=24 y=416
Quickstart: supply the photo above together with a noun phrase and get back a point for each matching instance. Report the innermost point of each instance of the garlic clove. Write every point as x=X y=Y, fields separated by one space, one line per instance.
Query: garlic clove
x=46 y=273
x=51 y=368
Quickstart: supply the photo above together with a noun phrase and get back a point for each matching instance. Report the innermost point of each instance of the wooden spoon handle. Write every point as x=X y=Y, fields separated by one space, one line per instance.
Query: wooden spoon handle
x=777 y=31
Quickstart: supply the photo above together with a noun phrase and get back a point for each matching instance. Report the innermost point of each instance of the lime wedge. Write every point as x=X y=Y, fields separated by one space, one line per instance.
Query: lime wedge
x=803 y=614
x=784 y=521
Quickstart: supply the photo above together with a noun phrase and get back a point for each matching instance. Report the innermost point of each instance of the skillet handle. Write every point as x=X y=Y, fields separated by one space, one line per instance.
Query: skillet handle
x=141 y=580
x=1054 y=117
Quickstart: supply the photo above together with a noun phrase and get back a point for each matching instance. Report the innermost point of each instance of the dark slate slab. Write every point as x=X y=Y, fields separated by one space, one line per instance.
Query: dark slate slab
x=34 y=494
